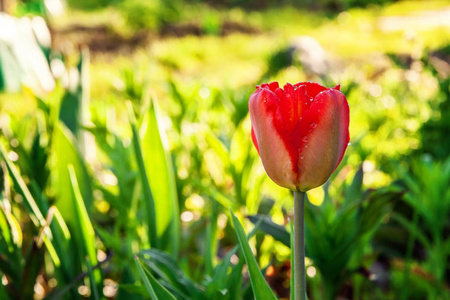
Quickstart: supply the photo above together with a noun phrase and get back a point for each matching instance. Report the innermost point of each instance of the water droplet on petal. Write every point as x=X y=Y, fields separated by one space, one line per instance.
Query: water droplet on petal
x=349 y=144
x=305 y=138
x=302 y=157
x=312 y=125
x=311 y=99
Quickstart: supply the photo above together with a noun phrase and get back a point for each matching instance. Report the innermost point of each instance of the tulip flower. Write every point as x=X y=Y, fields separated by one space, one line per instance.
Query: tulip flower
x=300 y=132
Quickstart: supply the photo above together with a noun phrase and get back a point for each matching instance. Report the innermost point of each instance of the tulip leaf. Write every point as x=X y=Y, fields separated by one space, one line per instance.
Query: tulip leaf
x=278 y=232
x=145 y=279
x=154 y=288
x=261 y=289
x=169 y=270
x=85 y=230
x=219 y=148
x=380 y=202
x=64 y=152
x=149 y=203
x=353 y=192
x=31 y=205
x=92 y=280
x=160 y=172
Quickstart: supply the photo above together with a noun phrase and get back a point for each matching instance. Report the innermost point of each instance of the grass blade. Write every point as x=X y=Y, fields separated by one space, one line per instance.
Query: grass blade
x=261 y=289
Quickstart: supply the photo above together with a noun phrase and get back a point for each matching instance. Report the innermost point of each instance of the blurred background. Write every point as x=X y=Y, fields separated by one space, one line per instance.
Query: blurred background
x=125 y=140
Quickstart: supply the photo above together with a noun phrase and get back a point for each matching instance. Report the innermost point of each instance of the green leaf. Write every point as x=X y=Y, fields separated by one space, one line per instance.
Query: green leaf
x=85 y=231
x=219 y=148
x=167 y=268
x=354 y=192
x=146 y=281
x=160 y=172
x=278 y=232
x=152 y=285
x=34 y=262
x=407 y=224
x=220 y=274
x=64 y=153
x=380 y=202
x=74 y=102
x=10 y=244
x=149 y=202
x=260 y=287
x=92 y=280
x=20 y=186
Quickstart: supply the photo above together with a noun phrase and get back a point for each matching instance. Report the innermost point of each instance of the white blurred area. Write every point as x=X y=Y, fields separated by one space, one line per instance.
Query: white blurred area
x=24 y=43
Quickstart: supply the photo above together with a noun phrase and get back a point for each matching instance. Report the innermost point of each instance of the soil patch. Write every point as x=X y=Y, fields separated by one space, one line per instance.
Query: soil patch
x=226 y=28
x=99 y=39
x=102 y=38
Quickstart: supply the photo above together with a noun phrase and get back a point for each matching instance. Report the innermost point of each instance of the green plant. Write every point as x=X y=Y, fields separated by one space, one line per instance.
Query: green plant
x=429 y=199
x=338 y=231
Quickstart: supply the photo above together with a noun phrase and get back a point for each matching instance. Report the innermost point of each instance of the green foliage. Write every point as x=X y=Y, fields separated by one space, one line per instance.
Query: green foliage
x=150 y=14
x=160 y=172
x=338 y=236
x=337 y=231
x=86 y=186
x=429 y=198
x=261 y=290
x=434 y=131
x=154 y=288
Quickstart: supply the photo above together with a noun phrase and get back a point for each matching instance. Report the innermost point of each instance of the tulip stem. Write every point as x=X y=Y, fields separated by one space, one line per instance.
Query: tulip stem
x=299 y=246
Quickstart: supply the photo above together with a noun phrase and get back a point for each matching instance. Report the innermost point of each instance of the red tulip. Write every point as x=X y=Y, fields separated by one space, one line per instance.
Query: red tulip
x=300 y=132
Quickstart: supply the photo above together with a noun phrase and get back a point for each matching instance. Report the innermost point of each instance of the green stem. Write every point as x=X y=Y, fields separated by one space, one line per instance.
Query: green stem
x=299 y=246
x=408 y=258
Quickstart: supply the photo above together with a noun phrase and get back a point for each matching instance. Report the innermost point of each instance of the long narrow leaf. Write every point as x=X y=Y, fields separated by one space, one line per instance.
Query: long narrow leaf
x=145 y=279
x=149 y=202
x=86 y=230
x=64 y=152
x=159 y=290
x=160 y=172
x=92 y=280
x=166 y=267
x=261 y=289
x=278 y=232
x=20 y=186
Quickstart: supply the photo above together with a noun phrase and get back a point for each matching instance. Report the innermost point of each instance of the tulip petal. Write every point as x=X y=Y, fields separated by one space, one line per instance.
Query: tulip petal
x=313 y=88
x=265 y=113
x=322 y=135
x=254 y=140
